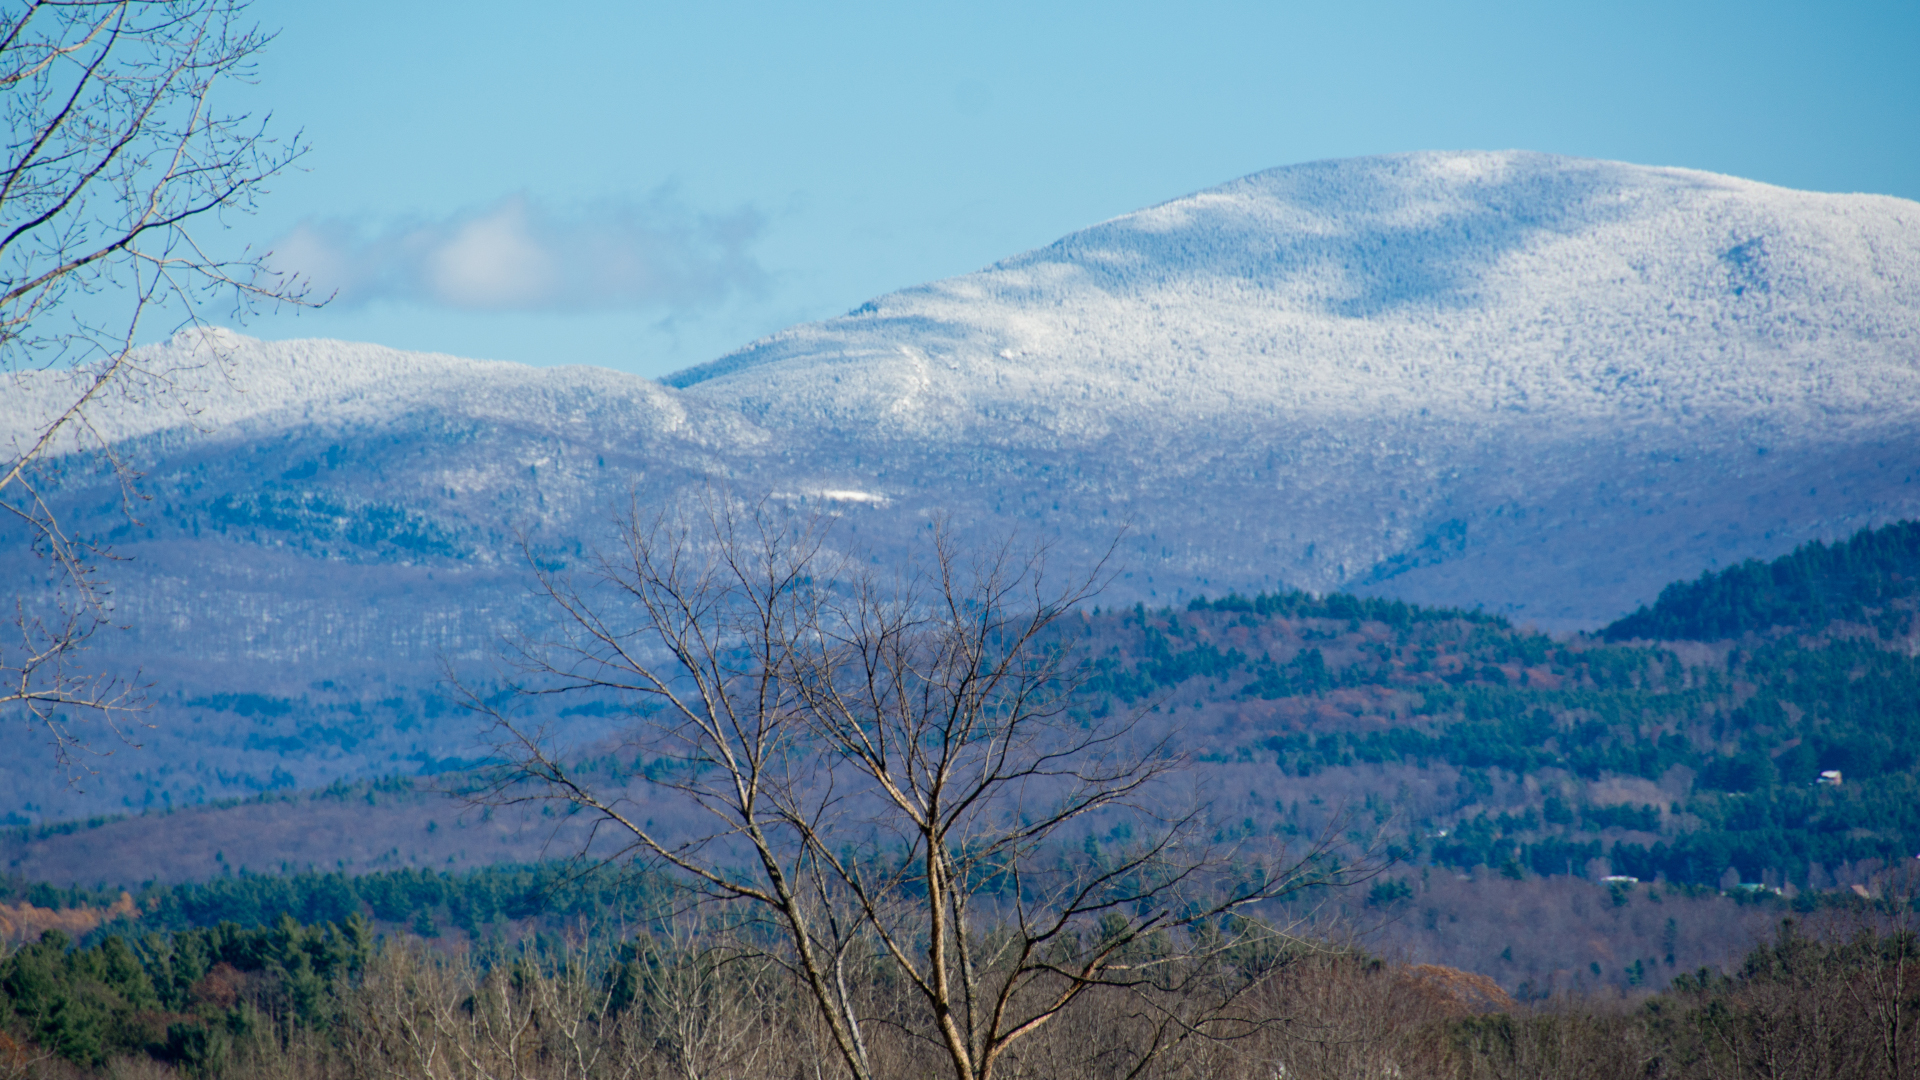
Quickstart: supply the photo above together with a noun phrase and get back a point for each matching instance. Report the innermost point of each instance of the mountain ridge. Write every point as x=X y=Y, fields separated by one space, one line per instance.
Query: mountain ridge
x=1416 y=239
x=1544 y=385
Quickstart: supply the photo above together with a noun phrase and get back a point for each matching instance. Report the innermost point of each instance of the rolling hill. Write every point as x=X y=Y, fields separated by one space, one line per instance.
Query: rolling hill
x=1507 y=772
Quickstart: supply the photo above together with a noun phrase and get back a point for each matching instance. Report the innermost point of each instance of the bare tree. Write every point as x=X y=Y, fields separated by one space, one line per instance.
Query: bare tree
x=419 y=1015
x=1883 y=992
x=118 y=158
x=895 y=771
x=706 y=1001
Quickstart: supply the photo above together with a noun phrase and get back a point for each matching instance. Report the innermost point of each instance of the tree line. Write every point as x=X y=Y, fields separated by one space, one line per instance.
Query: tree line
x=684 y=1000
x=1860 y=580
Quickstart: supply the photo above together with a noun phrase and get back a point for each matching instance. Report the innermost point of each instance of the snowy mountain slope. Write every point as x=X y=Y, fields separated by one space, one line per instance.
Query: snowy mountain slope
x=1389 y=364
x=1541 y=384
x=1455 y=285
x=222 y=385
x=326 y=529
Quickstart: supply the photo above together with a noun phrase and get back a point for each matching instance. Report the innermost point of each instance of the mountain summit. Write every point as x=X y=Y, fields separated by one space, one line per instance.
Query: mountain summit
x=1455 y=285
x=1540 y=383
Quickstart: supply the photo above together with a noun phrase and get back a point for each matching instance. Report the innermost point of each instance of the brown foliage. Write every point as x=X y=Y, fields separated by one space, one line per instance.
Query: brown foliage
x=1456 y=992
x=25 y=922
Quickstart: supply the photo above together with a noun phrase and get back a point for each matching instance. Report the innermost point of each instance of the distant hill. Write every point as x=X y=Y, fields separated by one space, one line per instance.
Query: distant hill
x=1510 y=771
x=1491 y=746
x=1862 y=580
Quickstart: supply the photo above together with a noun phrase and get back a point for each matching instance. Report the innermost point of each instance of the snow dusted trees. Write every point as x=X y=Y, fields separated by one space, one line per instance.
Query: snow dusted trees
x=120 y=161
x=891 y=772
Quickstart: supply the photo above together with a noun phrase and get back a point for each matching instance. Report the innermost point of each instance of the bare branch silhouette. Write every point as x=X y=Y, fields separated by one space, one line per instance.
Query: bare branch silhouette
x=891 y=767
x=118 y=155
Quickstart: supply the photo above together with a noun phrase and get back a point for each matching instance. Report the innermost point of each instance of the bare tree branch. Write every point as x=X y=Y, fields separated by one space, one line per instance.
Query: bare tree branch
x=116 y=157
x=892 y=765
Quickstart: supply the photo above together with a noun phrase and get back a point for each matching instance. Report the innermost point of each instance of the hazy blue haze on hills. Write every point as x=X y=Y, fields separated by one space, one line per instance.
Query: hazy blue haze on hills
x=1548 y=386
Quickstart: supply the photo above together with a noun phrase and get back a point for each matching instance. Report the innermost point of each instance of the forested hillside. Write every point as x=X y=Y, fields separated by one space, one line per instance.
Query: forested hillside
x=1494 y=746
x=1507 y=771
x=488 y=903
x=1694 y=764
x=1871 y=579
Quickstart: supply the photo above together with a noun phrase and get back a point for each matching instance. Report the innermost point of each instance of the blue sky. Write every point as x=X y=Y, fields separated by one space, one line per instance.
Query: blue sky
x=648 y=186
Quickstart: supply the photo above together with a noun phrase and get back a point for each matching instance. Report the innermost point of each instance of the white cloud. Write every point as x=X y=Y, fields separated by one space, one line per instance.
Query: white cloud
x=516 y=255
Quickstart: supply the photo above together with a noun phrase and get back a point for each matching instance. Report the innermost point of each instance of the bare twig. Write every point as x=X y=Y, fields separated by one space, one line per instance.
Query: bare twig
x=893 y=767
x=117 y=155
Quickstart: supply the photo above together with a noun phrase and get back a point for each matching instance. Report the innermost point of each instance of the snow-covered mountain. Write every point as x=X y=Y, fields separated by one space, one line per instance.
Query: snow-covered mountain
x=1539 y=384
x=1457 y=286
x=1544 y=384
